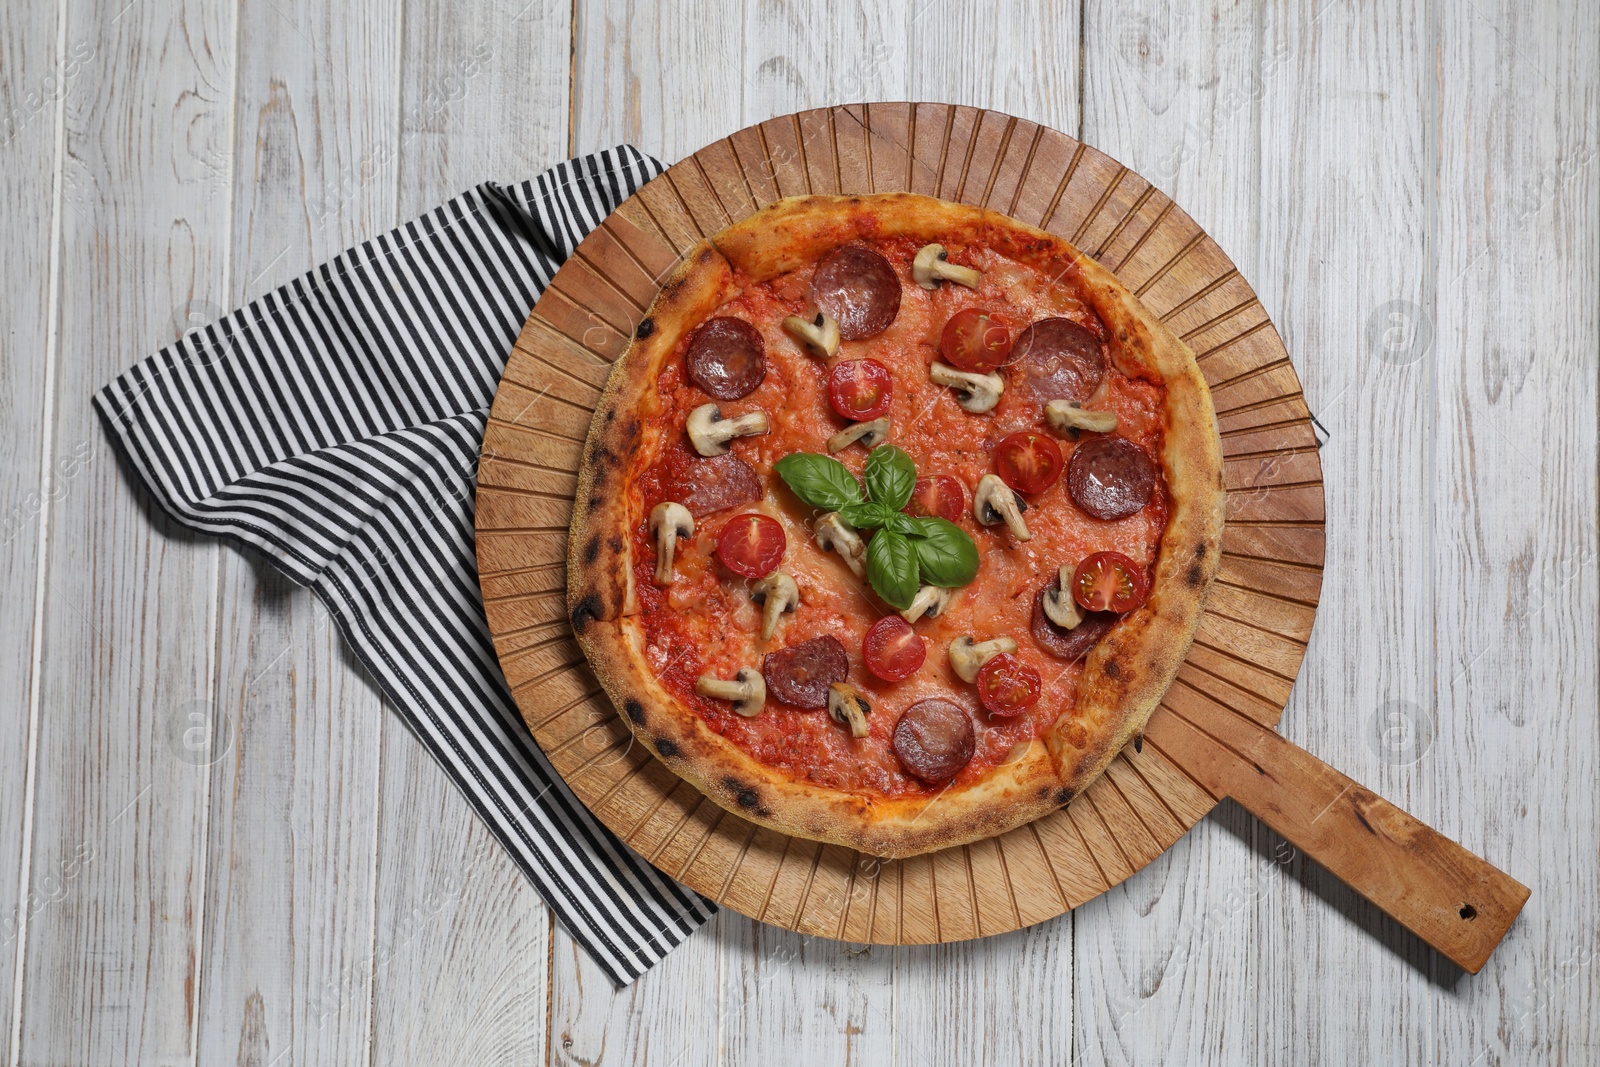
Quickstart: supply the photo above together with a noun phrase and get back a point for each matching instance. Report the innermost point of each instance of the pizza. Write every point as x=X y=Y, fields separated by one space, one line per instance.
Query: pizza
x=894 y=521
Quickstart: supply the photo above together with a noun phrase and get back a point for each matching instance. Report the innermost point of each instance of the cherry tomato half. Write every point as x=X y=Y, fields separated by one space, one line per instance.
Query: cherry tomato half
x=859 y=389
x=938 y=495
x=892 y=650
x=1109 y=581
x=1007 y=685
x=751 y=545
x=1028 y=461
x=975 y=340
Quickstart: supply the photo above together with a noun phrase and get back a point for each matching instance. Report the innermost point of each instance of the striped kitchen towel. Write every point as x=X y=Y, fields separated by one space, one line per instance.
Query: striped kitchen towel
x=334 y=425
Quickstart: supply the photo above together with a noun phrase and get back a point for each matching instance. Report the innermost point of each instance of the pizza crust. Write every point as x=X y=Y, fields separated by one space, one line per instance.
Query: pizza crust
x=1124 y=676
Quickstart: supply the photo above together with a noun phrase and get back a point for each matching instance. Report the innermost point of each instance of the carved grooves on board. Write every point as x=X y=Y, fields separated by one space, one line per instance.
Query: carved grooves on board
x=1022 y=175
x=1114 y=823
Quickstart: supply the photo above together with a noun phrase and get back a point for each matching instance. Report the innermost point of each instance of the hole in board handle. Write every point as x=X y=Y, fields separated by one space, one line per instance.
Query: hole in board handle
x=1468 y=912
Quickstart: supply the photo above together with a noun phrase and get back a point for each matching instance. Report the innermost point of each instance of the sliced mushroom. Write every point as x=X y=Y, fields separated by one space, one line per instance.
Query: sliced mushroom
x=778 y=595
x=669 y=521
x=747 y=691
x=930 y=601
x=870 y=434
x=976 y=393
x=847 y=707
x=1059 y=606
x=967 y=656
x=836 y=535
x=994 y=502
x=818 y=335
x=1067 y=418
x=710 y=433
x=932 y=267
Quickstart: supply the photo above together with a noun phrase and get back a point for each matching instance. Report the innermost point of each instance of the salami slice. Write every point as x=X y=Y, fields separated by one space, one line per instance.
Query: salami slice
x=934 y=739
x=1110 y=477
x=1056 y=359
x=800 y=674
x=1070 y=645
x=707 y=485
x=858 y=288
x=727 y=358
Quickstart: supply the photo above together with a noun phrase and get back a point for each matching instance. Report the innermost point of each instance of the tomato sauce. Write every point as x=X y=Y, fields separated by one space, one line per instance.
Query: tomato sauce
x=706 y=622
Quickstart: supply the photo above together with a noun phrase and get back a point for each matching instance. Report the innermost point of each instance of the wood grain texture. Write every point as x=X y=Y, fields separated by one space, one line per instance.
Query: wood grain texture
x=1515 y=589
x=33 y=80
x=128 y=685
x=294 y=814
x=952 y=895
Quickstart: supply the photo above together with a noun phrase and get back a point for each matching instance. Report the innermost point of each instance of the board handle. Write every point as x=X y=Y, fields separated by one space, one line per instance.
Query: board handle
x=1455 y=901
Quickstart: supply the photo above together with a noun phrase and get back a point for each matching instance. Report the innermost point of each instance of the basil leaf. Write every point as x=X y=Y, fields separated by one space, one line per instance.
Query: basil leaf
x=890 y=476
x=821 y=481
x=867 y=514
x=892 y=567
x=946 y=556
x=901 y=523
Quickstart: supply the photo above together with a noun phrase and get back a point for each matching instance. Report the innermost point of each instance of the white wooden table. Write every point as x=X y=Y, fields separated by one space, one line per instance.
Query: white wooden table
x=1410 y=188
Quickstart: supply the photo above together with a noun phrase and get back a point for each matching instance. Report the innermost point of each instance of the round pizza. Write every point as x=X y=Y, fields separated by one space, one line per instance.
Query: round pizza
x=894 y=522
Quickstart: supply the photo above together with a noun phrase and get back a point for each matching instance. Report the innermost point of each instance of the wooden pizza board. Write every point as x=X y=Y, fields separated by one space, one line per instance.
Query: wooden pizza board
x=1213 y=734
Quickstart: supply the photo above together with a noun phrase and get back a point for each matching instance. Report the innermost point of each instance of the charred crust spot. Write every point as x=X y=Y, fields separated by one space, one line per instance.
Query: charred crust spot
x=631 y=429
x=667 y=747
x=646 y=327
x=594 y=502
x=1112 y=670
x=634 y=710
x=1138 y=742
x=591 y=550
x=1200 y=550
x=1063 y=796
x=1044 y=790
x=611 y=414
x=615 y=544
x=584 y=611
x=743 y=795
x=1196 y=576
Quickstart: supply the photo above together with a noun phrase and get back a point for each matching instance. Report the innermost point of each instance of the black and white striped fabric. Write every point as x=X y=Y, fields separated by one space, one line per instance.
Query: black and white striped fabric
x=334 y=425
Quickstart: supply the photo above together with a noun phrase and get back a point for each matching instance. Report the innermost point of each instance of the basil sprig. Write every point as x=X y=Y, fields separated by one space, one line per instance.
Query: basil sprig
x=906 y=552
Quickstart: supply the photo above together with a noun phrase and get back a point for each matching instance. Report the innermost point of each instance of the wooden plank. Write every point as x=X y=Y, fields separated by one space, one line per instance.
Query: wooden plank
x=776 y=978
x=127 y=687
x=293 y=819
x=634 y=76
x=1019 y=58
x=445 y=886
x=34 y=79
x=1513 y=570
x=668 y=1016
x=1329 y=263
x=461 y=953
x=1156 y=77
